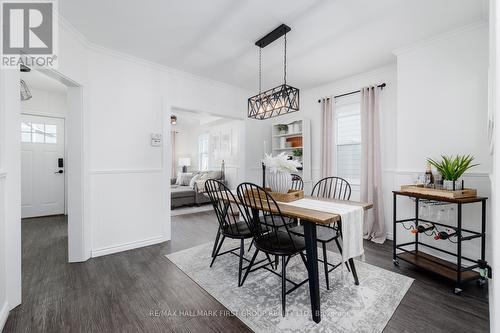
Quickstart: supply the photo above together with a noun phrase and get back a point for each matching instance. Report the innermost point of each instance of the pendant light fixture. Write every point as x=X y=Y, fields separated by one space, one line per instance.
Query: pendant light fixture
x=25 y=92
x=173 y=119
x=279 y=100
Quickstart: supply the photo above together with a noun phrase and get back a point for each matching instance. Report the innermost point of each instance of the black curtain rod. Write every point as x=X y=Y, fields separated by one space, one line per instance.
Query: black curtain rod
x=381 y=86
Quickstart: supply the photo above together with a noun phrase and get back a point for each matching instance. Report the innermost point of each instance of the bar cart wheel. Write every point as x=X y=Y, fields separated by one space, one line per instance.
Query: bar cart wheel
x=481 y=282
x=395 y=262
x=457 y=291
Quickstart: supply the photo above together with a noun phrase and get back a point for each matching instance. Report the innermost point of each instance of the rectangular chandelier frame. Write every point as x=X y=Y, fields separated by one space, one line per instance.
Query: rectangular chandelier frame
x=274 y=102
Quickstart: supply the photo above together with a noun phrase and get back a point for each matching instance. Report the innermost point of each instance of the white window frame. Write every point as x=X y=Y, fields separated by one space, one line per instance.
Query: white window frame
x=339 y=102
x=204 y=154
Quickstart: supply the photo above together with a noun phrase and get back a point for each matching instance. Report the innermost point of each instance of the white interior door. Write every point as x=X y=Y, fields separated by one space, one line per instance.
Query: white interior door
x=42 y=166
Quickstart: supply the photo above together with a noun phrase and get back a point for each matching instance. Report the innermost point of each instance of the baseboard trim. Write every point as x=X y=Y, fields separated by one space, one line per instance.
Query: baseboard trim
x=127 y=246
x=124 y=171
x=4 y=314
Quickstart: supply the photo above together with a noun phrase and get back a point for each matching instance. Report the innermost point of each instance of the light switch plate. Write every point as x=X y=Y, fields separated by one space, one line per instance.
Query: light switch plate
x=156 y=140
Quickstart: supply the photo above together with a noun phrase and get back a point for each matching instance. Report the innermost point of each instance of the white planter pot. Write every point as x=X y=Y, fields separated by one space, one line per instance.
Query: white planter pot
x=279 y=181
x=448 y=184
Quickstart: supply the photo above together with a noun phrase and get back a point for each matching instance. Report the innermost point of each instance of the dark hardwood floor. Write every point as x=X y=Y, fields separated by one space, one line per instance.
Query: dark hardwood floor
x=127 y=292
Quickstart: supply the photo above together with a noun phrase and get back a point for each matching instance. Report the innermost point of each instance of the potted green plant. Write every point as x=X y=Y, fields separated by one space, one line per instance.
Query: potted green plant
x=282 y=128
x=452 y=168
x=297 y=152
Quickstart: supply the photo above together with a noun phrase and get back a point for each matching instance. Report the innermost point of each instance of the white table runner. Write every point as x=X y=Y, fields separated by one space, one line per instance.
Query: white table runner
x=352 y=223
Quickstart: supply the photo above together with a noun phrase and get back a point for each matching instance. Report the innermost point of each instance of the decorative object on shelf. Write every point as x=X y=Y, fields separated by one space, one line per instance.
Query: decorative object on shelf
x=279 y=100
x=173 y=119
x=295 y=141
x=452 y=168
x=282 y=128
x=279 y=171
x=297 y=152
x=184 y=162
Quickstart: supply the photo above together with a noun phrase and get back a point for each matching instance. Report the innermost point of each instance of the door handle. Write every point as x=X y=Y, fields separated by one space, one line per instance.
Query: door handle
x=60 y=171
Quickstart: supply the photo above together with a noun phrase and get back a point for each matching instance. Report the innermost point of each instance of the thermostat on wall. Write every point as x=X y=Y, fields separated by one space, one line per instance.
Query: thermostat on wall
x=155 y=140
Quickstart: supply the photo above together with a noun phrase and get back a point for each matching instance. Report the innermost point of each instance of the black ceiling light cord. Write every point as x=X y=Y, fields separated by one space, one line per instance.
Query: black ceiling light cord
x=279 y=100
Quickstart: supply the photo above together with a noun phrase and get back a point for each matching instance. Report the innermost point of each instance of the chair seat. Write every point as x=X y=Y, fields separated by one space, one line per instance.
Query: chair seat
x=323 y=234
x=280 y=243
x=278 y=221
x=237 y=230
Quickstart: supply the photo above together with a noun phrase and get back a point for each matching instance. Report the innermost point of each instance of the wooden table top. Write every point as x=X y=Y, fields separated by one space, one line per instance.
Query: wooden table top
x=310 y=215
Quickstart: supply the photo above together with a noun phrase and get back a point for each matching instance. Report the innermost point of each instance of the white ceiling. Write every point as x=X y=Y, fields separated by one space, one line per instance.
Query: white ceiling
x=330 y=39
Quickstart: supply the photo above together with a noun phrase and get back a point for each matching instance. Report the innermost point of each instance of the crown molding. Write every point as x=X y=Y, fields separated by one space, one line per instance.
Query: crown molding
x=91 y=46
x=441 y=37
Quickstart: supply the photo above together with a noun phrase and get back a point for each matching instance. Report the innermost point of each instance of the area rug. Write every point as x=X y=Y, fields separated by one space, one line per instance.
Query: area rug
x=191 y=210
x=344 y=308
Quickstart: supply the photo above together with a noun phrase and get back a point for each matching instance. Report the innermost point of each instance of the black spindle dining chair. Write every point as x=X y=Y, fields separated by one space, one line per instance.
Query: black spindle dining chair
x=232 y=222
x=272 y=235
x=331 y=188
x=297 y=182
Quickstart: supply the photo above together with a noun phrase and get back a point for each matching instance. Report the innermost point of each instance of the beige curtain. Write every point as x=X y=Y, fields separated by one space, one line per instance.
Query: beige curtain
x=174 y=166
x=327 y=117
x=371 y=175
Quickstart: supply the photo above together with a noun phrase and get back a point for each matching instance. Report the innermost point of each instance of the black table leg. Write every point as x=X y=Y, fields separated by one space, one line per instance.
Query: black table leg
x=353 y=271
x=312 y=269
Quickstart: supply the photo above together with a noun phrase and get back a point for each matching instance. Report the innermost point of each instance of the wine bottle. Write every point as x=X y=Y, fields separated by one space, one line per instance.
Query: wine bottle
x=429 y=177
x=445 y=234
x=423 y=228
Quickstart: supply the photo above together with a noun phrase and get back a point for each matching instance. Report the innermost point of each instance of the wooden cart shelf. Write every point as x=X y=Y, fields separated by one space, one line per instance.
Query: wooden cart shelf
x=413 y=252
x=436 y=265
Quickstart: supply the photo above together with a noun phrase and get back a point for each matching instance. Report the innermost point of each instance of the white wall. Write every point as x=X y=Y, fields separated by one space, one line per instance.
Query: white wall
x=129 y=100
x=442 y=109
x=45 y=103
x=186 y=145
x=10 y=193
x=494 y=52
x=436 y=82
x=126 y=181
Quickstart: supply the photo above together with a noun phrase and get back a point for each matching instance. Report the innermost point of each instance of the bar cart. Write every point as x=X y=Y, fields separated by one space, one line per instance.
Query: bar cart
x=464 y=268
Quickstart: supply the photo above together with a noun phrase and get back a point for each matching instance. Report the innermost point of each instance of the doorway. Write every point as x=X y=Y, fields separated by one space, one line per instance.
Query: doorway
x=53 y=160
x=42 y=166
x=204 y=145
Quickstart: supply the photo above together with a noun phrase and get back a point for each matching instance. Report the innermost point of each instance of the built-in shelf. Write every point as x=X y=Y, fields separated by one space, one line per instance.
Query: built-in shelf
x=287 y=135
x=298 y=134
x=288 y=148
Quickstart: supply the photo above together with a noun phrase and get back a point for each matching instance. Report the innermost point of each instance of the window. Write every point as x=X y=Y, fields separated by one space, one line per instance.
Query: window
x=348 y=140
x=203 y=151
x=38 y=133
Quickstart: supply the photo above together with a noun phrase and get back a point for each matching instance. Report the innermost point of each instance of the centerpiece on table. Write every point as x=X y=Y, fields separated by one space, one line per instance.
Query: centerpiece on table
x=279 y=171
x=452 y=168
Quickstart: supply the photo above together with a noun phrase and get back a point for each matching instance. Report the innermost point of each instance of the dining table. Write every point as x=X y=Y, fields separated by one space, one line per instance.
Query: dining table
x=310 y=218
